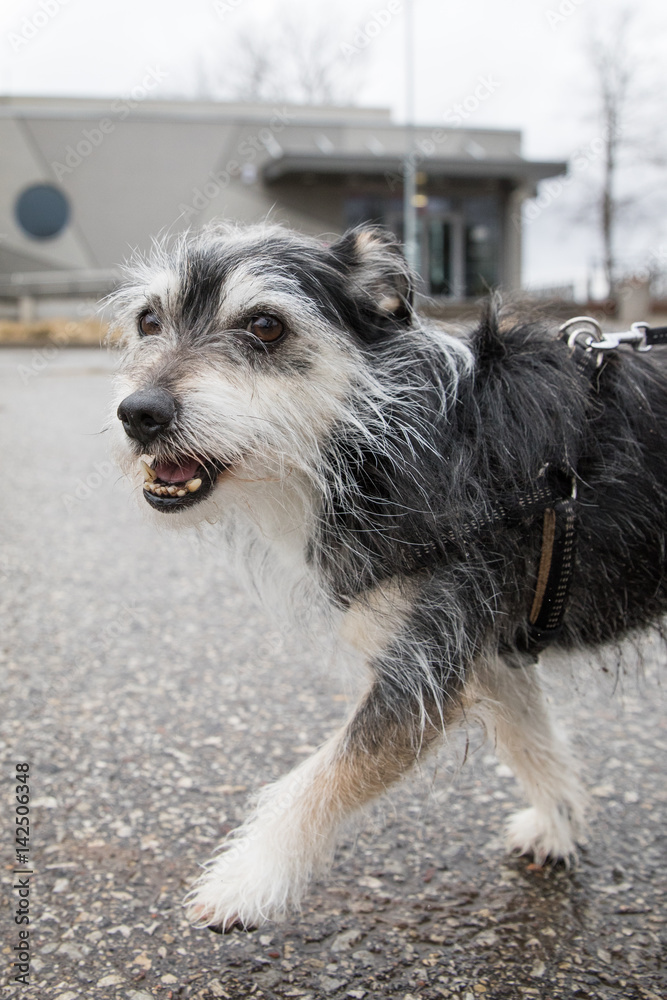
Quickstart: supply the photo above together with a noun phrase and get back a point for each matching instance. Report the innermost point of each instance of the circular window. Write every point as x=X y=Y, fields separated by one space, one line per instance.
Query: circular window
x=42 y=211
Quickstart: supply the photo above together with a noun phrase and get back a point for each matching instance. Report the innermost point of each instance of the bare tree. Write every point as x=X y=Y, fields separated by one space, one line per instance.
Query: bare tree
x=614 y=72
x=627 y=110
x=288 y=60
x=322 y=75
x=253 y=68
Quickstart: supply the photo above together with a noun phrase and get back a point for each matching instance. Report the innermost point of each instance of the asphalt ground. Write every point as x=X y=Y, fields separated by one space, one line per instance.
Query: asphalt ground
x=149 y=696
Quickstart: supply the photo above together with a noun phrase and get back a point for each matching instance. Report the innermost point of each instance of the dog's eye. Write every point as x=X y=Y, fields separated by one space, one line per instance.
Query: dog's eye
x=149 y=324
x=268 y=329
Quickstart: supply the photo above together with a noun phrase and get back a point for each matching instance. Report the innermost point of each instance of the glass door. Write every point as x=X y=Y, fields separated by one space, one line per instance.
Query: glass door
x=442 y=246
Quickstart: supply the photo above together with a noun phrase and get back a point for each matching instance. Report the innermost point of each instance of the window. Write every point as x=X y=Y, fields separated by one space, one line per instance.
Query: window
x=42 y=211
x=458 y=238
x=481 y=244
x=440 y=256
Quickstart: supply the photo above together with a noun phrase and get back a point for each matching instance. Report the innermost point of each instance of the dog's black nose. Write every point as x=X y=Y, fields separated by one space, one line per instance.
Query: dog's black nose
x=146 y=413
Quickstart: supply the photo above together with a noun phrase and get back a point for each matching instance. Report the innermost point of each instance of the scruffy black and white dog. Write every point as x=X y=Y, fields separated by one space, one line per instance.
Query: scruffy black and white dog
x=386 y=473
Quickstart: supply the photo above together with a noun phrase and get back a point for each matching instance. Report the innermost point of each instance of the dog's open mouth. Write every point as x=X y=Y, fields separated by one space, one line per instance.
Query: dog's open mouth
x=171 y=486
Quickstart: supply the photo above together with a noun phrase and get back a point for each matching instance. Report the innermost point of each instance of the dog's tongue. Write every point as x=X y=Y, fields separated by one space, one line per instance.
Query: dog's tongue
x=172 y=473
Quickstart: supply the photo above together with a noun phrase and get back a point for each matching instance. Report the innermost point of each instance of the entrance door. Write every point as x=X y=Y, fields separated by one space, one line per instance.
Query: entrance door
x=442 y=254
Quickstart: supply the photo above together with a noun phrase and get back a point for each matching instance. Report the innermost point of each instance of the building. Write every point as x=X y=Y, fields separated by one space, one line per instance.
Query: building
x=85 y=181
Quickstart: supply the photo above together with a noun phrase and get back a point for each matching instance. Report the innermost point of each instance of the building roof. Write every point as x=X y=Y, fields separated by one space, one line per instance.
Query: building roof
x=133 y=168
x=515 y=169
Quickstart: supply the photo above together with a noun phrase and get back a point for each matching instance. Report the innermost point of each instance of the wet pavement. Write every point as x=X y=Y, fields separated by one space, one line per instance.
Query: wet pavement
x=149 y=696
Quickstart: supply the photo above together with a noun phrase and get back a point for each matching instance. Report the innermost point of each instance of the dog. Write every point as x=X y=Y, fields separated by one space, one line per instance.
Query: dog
x=448 y=505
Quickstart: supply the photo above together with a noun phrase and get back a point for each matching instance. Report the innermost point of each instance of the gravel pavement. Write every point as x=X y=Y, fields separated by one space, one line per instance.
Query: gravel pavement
x=149 y=696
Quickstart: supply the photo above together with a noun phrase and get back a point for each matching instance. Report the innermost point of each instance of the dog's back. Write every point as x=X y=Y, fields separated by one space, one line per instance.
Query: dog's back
x=541 y=402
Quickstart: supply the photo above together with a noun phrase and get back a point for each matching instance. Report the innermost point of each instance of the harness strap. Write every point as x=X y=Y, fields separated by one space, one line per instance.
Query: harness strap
x=551 y=486
x=553 y=495
x=554 y=575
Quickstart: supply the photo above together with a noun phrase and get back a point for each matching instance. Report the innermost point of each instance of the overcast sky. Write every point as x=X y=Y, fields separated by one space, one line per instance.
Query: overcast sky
x=532 y=52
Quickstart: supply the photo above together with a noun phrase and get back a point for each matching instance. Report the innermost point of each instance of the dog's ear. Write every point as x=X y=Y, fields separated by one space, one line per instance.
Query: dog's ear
x=379 y=279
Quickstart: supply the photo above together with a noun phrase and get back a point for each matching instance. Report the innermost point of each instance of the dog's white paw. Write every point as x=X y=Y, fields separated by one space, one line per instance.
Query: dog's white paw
x=544 y=835
x=244 y=886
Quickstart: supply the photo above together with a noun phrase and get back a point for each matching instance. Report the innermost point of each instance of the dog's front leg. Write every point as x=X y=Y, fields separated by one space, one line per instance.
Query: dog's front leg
x=265 y=865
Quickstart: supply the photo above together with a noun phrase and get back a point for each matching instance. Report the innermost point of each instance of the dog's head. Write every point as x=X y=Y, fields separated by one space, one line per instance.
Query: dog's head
x=241 y=350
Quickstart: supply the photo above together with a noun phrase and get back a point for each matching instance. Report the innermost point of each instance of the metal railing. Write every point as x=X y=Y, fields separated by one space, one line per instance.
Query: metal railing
x=93 y=283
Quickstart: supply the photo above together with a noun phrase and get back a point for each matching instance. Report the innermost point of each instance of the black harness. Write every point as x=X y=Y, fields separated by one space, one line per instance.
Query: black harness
x=553 y=496
x=590 y=349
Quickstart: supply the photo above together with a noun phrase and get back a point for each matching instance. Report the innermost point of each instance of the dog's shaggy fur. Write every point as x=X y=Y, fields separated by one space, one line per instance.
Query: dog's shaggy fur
x=336 y=438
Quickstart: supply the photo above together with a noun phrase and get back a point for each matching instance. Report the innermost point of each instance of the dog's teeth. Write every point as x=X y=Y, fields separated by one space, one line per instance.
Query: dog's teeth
x=151 y=485
x=149 y=474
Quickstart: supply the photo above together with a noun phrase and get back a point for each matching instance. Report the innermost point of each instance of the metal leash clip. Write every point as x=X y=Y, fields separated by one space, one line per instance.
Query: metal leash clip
x=636 y=336
x=586 y=332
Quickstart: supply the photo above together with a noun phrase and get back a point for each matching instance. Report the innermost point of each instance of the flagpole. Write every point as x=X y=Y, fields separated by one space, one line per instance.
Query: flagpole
x=409 y=166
